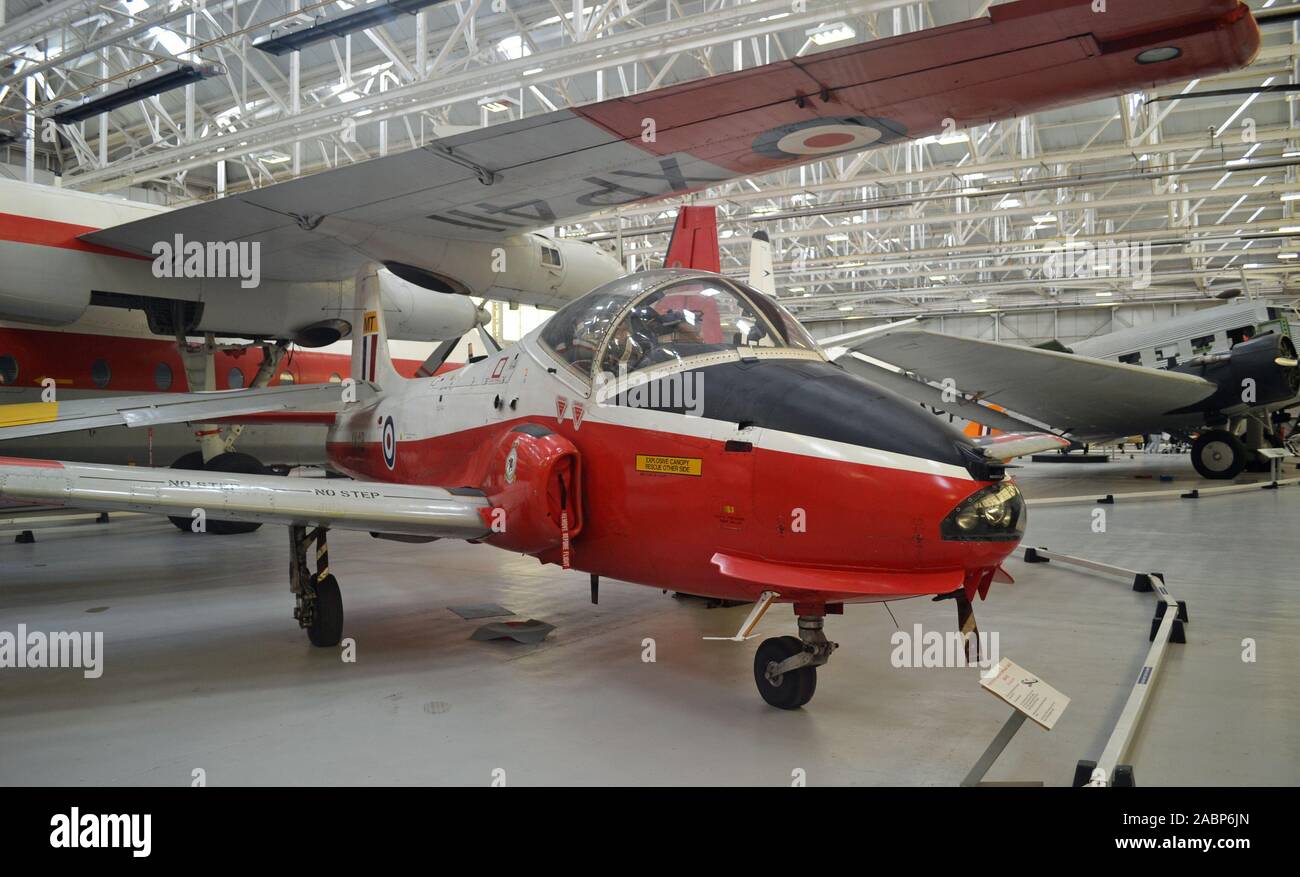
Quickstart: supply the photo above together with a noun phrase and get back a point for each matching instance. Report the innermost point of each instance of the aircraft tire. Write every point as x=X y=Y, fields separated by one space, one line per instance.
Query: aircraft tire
x=245 y=464
x=793 y=689
x=326 y=628
x=192 y=460
x=1218 y=454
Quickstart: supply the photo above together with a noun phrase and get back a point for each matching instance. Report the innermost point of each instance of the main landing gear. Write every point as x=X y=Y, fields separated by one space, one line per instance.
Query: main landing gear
x=785 y=667
x=217 y=454
x=1225 y=453
x=319 y=603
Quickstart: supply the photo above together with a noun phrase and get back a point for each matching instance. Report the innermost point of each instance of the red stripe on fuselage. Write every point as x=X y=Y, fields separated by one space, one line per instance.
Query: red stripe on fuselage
x=69 y=358
x=51 y=233
x=35 y=464
x=663 y=530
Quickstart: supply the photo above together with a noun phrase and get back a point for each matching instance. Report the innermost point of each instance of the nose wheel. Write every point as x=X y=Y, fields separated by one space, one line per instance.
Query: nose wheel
x=789 y=689
x=785 y=667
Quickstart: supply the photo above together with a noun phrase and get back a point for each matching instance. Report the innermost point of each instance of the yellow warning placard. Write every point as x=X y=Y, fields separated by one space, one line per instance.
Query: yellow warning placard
x=28 y=413
x=371 y=323
x=669 y=465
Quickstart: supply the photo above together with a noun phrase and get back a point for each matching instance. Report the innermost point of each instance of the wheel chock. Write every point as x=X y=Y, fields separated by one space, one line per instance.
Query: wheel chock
x=1032 y=556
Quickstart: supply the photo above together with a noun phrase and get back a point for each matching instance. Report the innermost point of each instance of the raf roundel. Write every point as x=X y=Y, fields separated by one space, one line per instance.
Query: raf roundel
x=389 y=443
x=825 y=136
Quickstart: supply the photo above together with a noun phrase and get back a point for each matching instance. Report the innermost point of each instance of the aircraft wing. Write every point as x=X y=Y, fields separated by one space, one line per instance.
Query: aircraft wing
x=348 y=505
x=1086 y=397
x=912 y=388
x=549 y=168
x=47 y=418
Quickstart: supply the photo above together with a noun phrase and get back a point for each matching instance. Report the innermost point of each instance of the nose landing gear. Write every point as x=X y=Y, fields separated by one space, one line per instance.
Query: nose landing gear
x=785 y=667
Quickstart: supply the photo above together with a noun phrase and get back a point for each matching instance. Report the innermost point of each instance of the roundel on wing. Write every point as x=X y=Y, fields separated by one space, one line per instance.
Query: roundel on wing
x=828 y=135
x=389 y=443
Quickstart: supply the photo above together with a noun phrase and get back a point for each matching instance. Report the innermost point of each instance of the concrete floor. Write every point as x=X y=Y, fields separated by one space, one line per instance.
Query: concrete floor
x=205 y=668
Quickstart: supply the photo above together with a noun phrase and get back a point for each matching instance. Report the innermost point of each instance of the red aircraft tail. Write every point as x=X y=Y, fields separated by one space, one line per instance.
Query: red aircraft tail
x=694 y=243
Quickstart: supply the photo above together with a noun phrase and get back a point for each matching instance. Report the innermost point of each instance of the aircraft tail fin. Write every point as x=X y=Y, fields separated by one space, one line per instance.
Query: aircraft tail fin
x=760 y=264
x=694 y=243
x=371 y=360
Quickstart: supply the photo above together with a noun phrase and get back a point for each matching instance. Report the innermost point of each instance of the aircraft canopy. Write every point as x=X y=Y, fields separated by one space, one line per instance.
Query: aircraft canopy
x=667 y=316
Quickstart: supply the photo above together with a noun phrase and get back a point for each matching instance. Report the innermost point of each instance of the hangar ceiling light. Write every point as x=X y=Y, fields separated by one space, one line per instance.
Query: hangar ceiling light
x=182 y=75
x=826 y=34
x=341 y=25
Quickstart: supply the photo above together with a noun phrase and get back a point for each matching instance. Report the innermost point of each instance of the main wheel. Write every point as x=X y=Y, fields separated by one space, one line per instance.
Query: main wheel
x=192 y=460
x=326 y=628
x=790 y=690
x=1218 y=454
x=243 y=464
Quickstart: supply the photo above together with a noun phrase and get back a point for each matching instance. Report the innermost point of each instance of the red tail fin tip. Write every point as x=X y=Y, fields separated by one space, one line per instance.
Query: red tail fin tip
x=694 y=243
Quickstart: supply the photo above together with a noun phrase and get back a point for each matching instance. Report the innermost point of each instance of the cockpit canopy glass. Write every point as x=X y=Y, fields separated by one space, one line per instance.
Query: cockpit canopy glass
x=649 y=319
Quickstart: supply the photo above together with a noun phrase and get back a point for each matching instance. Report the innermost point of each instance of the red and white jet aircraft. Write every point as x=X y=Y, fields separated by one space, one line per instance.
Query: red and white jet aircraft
x=672 y=428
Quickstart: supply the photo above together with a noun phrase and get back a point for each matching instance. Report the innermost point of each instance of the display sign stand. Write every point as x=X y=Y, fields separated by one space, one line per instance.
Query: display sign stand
x=1275 y=456
x=1009 y=729
x=1029 y=698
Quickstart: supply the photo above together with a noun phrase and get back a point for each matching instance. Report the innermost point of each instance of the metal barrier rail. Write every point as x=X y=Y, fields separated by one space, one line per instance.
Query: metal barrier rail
x=1167 y=626
x=1195 y=493
x=24 y=520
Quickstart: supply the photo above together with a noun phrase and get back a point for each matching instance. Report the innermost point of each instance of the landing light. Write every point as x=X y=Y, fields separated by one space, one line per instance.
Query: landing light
x=1156 y=56
x=993 y=514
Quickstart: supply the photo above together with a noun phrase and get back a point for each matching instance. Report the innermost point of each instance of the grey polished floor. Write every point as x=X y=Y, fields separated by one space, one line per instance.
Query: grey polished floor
x=205 y=669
